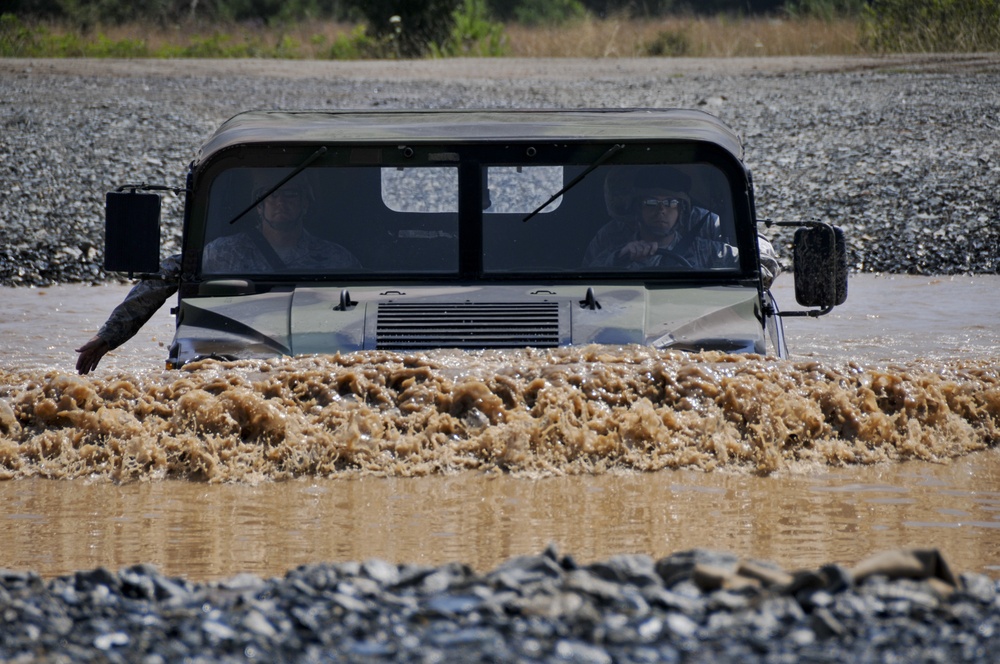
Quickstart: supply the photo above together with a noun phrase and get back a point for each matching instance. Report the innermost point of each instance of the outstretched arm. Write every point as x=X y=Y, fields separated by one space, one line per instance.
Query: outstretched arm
x=128 y=317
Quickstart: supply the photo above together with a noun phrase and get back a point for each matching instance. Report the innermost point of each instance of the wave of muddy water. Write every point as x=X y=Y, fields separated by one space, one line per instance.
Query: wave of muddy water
x=877 y=432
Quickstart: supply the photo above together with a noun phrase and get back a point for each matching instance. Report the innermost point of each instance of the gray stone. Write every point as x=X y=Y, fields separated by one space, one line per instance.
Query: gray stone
x=825 y=624
x=580 y=653
x=681 y=625
x=112 y=640
x=218 y=630
x=348 y=602
x=381 y=571
x=680 y=566
x=636 y=569
x=453 y=605
x=584 y=582
x=979 y=587
x=257 y=624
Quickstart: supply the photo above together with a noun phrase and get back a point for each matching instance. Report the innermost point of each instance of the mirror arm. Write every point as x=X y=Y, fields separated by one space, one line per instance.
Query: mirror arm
x=812 y=313
x=795 y=224
x=142 y=186
x=150 y=276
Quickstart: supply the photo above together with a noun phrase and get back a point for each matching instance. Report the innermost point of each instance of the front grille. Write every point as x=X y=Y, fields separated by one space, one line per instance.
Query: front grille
x=405 y=325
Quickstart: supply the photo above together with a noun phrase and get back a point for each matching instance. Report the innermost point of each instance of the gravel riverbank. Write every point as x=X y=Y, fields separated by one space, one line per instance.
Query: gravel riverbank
x=903 y=152
x=696 y=606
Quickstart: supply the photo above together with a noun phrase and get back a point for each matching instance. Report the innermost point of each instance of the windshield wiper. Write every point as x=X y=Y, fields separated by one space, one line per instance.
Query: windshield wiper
x=572 y=183
x=301 y=167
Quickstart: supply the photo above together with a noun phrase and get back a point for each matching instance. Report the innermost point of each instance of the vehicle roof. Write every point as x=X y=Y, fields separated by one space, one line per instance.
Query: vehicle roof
x=456 y=126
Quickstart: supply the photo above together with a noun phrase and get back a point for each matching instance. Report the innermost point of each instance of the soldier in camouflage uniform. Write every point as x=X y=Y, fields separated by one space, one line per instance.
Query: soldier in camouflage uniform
x=280 y=242
x=289 y=245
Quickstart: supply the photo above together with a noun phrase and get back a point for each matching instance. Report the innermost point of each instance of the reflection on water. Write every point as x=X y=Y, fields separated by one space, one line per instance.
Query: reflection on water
x=557 y=443
x=41 y=327
x=797 y=520
x=895 y=318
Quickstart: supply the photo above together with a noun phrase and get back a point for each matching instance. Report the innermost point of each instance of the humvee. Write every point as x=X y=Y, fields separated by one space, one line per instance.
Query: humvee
x=469 y=229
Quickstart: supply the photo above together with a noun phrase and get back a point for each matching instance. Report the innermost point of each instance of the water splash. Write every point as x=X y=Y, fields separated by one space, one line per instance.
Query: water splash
x=565 y=411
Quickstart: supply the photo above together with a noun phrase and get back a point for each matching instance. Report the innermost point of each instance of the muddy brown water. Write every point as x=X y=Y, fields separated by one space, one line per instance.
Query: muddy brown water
x=878 y=432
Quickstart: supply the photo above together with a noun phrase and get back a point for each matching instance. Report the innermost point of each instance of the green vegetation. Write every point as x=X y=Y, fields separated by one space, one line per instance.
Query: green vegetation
x=20 y=40
x=549 y=12
x=415 y=29
x=353 y=29
x=406 y=29
x=473 y=33
x=669 y=43
x=824 y=9
x=933 y=25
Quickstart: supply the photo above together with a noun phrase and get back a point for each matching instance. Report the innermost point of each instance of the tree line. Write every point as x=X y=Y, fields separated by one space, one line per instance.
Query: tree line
x=173 y=11
x=415 y=28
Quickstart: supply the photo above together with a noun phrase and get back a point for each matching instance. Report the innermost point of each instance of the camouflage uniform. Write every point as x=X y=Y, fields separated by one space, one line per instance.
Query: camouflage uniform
x=234 y=253
x=240 y=253
x=144 y=300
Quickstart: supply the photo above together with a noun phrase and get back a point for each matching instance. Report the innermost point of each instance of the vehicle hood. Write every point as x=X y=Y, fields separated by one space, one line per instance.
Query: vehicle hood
x=324 y=319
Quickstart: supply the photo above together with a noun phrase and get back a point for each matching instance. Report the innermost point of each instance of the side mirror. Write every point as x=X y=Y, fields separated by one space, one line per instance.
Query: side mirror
x=820 y=259
x=131 y=232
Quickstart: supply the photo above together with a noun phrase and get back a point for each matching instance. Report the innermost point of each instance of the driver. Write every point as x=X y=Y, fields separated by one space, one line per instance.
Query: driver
x=655 y=224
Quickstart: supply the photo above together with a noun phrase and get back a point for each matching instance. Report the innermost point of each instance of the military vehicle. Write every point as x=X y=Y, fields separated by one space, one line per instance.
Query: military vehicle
x=471 y=229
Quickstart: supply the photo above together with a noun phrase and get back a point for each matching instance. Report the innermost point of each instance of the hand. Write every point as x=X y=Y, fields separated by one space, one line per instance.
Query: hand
x=91 y=354
x=638 y=249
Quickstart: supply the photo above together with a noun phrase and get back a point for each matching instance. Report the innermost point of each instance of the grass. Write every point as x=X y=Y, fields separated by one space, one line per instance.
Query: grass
x=587 y=37
x=691 y=37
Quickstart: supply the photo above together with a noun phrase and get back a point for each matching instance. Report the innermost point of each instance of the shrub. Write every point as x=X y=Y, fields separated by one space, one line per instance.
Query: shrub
x=826 y=10
x=16 y=39
x=122 y=48
x=408 y=27
x=549 y=12
x=473 y=34
x=356 y=46
x=670 y=43
x=288 y=48
x=218 y=45
x=932 y=25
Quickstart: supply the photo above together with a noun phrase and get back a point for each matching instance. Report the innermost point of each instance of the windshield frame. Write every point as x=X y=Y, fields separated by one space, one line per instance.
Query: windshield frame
x=470 y=158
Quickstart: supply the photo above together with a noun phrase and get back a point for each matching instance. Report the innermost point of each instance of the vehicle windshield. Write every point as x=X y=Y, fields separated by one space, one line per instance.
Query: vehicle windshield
x=405 y=220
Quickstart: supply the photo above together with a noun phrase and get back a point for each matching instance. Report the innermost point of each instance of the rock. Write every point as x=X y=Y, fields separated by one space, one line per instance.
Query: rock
x=680 y=566
x=635 y=569
x=610 y=610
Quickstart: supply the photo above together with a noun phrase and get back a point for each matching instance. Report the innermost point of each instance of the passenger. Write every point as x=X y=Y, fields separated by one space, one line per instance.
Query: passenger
x=288 y=245
x=279 y=242
x=656 y=225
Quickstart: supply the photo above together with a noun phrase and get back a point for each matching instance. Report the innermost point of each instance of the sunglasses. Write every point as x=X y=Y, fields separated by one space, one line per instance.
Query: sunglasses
x=665 y=203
